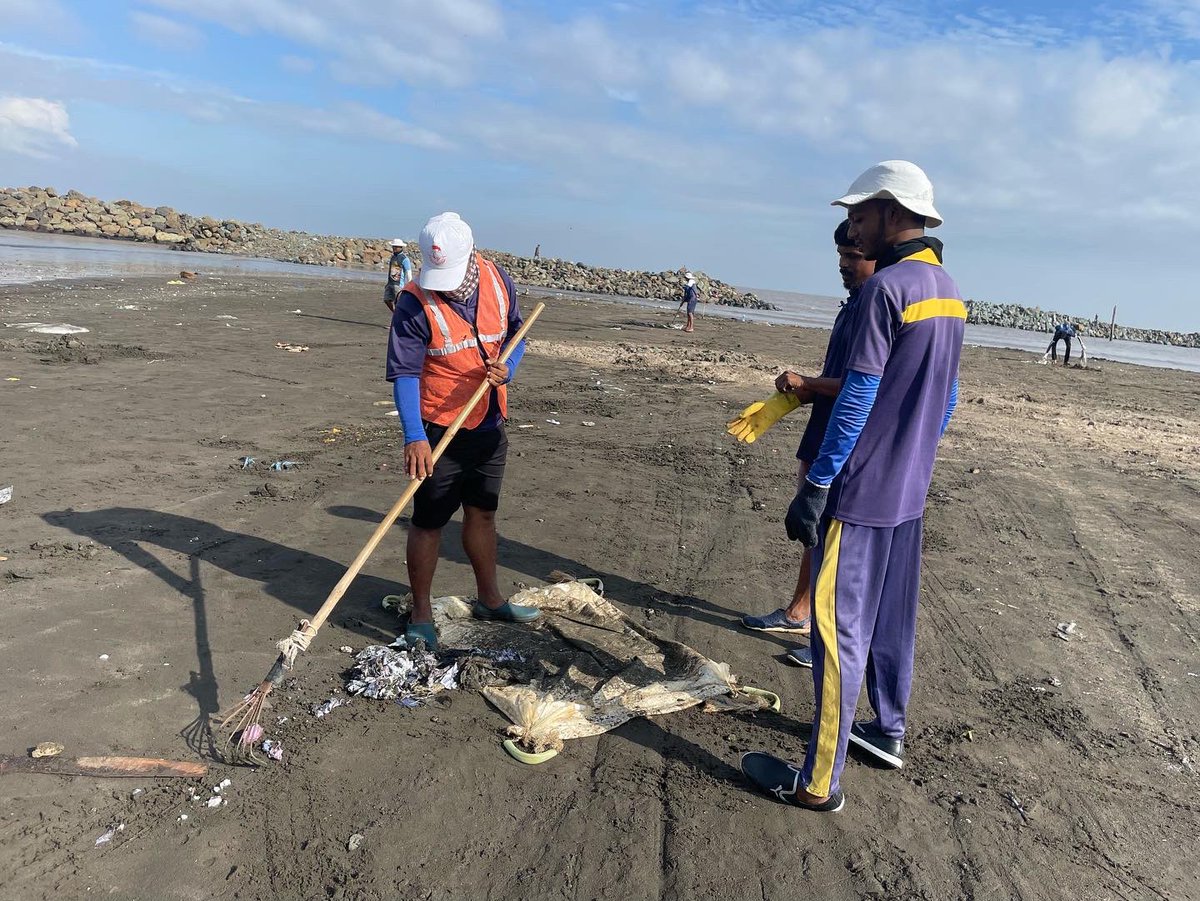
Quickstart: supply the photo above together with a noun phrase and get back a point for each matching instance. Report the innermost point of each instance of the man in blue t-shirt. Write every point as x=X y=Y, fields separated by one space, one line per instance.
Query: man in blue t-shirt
x=820 y=391
x=691 y=296
x=862 y=504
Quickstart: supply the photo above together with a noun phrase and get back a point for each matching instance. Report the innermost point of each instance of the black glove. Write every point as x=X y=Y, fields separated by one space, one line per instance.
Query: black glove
x=804 y=513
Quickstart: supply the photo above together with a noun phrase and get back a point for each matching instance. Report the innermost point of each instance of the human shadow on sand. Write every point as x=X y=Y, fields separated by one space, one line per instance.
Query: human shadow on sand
x=536 y=564
x=300 y=579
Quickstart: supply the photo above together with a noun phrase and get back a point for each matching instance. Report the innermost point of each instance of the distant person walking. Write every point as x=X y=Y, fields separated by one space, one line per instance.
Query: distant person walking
x=691 y=296
x=537 y=252
x=399 y=273
x=1063 y=332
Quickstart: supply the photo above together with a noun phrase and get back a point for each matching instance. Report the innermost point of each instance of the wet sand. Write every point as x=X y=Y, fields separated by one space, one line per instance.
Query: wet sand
x=1037 y=768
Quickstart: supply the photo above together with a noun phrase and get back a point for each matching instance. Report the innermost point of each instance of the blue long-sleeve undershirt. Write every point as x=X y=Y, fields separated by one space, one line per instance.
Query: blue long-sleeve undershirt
x=846 y=422
x=406 y=391
x=950 y=407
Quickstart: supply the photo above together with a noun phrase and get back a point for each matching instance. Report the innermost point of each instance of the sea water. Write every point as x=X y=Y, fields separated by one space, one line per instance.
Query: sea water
x=27 y=257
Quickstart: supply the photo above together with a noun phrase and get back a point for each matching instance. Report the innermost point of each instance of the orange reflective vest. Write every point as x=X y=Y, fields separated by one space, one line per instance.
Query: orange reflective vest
x=454 y=360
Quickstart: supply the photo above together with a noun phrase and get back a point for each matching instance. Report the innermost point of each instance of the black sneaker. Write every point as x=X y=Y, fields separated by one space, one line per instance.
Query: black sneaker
x=780 y=779
x=886 y=750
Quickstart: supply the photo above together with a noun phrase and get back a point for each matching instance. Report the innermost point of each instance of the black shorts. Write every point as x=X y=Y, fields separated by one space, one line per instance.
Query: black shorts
x=468 y=474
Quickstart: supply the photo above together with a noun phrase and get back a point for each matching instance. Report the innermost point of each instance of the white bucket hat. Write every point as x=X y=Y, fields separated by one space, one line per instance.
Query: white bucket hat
x=397 y=242
x=898 y=180
x=446 y=244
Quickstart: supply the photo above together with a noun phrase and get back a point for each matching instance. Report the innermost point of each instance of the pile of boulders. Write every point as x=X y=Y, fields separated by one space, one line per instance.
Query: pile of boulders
x=1035 y=319
x=44 y=209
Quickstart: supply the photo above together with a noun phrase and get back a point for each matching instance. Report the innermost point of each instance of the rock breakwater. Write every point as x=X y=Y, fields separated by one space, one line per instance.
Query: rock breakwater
x=74 y=213
x=1035 y=319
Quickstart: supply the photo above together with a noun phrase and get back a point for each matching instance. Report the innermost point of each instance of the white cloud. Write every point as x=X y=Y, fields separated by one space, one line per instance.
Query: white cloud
x=371 y=42
x=169 y=34
x=43 y=15
x=34 y=127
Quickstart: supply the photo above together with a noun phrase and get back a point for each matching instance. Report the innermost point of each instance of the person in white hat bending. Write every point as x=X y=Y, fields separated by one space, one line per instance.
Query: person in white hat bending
x=862 y=503
x=399 y=273
x=448 y=330
x=691 y=295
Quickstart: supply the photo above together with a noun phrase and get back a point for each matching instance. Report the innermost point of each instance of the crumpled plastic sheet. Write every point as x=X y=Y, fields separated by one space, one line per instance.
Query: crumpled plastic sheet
x=320 y=710
x=398 y=672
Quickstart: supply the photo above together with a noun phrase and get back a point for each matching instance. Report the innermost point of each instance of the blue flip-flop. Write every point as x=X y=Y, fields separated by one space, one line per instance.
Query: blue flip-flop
x=777 y=621
x=781 y=780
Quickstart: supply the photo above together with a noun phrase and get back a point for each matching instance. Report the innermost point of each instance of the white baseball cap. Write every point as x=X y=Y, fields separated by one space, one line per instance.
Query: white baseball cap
x=688 y=276
x=898 y=180
x=446 y=245
x=397 y=242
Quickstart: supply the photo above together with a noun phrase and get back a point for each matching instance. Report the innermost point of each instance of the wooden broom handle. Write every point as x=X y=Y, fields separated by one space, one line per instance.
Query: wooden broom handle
x=397 y=508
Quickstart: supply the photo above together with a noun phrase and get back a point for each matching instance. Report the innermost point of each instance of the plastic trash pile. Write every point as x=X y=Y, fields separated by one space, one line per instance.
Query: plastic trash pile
x=401 y=673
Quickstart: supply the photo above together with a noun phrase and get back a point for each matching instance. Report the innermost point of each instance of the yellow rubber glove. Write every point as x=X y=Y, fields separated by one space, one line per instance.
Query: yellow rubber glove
x=760 y=416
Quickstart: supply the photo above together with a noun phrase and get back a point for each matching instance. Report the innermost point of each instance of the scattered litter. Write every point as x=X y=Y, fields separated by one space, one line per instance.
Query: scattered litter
x=382 y=403
x=103 y=656
x=527 y=426
x=346 y=649
x=355 y=842
x=320 y=710
x=1055 y=681
x=47 y=328
x=247 y=462
x=588 y=422
x=6 y=494
x=216 y=801
x=295 y=311
x=291 y=348
x=108 y=836
x=408 y=702
x=48 y=749
x=137 y=791
x=1018 y=807
x=12 y=378
x=175 y=281
x=1066 y=631
x=224 y=783
x=281 y=721
x=252 y=734
x=399 y=672
x=225 y=316
x=281 y=465
x=553 y=422
x=273 y=749
x=183 y=818
x=392 y=413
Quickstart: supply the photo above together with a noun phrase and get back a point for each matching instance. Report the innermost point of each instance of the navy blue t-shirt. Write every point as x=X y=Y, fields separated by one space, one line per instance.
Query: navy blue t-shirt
x=835 y=368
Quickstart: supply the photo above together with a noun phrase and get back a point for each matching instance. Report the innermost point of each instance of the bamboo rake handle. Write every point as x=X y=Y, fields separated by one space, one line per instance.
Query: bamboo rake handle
x=397 y=508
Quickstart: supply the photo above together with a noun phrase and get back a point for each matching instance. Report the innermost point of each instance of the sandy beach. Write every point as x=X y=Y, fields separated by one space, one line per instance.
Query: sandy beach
x=148 y=577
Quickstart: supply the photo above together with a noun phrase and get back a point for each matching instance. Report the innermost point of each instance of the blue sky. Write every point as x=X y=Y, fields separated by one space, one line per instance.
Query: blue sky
x=1062 y=139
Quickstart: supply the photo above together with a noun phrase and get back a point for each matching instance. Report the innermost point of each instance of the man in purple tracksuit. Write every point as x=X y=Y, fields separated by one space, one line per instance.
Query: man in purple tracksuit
x=862 y=504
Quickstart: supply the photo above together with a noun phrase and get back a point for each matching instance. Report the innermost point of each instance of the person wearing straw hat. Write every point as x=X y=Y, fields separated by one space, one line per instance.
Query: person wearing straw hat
x=691 y=296
x=448 y=330
x=399 y=273
x=862 y=503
